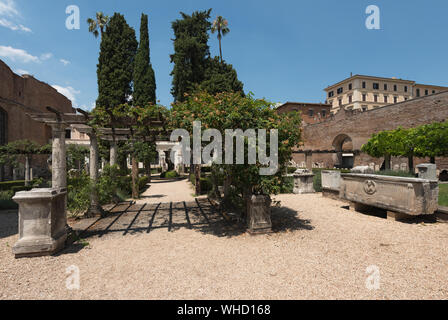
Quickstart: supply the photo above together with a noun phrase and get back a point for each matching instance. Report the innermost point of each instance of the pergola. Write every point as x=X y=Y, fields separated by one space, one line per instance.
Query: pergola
x=59 y=122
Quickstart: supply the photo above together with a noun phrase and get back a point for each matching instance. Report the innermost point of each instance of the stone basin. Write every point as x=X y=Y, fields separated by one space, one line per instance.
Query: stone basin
x=408 y=196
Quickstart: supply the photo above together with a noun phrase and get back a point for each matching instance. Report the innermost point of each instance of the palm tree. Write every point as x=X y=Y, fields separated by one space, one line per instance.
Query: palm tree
x=99 y=24
x=220 y=26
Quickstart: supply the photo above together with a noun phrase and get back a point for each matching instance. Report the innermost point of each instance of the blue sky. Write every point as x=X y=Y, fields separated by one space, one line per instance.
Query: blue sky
x=282 y=50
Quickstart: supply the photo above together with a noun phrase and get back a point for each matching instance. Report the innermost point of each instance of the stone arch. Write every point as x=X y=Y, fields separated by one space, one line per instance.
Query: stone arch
x=343 y=145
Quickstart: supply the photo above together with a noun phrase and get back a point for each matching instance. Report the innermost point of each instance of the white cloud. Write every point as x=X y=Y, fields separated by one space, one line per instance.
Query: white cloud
x=8 y=8
x=21 y=71
x=17 y=54
x=69 y=92
x=8 y=11
x=46 y=56
x=64 y=62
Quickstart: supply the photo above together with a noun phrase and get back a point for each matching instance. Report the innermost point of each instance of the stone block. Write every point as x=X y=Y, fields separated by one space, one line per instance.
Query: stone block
x=362 y=170
x=427 y=171
x=42 y=221
x=259 y=214
x=331 y=180
x=303 y=181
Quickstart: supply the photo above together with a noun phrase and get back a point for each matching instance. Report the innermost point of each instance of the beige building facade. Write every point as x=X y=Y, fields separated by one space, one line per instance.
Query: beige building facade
x=364 y=93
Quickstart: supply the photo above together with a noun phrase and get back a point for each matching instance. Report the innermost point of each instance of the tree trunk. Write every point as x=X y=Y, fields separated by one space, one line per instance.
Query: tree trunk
x=220 y=50
x=197 y=174
x=135 y=191
x=387 y=162
x=148 y=170
x=411 y=164
x=27 y=170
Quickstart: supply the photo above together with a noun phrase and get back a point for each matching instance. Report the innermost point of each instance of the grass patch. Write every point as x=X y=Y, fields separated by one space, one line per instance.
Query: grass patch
x=443 y=195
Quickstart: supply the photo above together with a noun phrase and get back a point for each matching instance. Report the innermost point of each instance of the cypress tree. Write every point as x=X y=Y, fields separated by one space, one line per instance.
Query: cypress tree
x=116 y=63
x=144 y=78
x=221 y=77
x=191 y=52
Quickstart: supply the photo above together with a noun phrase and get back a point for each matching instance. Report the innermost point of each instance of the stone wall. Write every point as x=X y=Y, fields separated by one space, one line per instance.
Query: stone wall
x=20 y=95
x=357 y=127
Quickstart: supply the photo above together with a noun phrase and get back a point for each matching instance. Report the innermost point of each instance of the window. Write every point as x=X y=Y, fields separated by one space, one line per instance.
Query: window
x=340 y=90
x=405 y=88
x=330 y=94
x=350 y=99
x=375 y=98
x=405 y=98
x=324 y=113
x=350 y=86
x=340 y=102
x=364 y=97
x=417 y=92
x=385 y=99
x=364 y=108
x=3 y=128
x=385 y=87
x=330 y=102
x=68 y=133
x=395 y=99
x=311 y=113
x=433 y=91
x=395 y=88
x=363 y=84
x=376 y=86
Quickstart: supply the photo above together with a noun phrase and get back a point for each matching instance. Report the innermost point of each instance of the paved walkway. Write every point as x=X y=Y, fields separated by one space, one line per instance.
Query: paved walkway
x=165 y=191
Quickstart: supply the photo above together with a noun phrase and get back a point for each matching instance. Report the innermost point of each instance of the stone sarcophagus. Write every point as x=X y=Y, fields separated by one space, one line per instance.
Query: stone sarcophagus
x=331 y=183
x=259 y=214
x=398 y=195
x=42 y=221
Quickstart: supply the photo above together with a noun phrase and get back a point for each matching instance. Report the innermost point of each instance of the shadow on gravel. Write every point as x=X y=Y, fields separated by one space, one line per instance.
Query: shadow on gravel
x=8 y=223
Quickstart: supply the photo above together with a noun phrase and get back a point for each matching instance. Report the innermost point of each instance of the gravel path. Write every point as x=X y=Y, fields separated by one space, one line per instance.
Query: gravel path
x=319 y=251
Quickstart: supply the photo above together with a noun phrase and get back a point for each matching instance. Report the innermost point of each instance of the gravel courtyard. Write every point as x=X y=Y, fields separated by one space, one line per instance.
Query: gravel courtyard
x=319 y=250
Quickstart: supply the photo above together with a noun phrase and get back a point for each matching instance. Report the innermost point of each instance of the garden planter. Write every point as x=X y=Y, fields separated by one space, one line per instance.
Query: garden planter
x=259 y=214
x=303 y=181
x=401 y=197
x=42 y=221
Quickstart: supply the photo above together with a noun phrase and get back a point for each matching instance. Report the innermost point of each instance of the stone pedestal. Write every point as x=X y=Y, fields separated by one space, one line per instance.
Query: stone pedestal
x=303 y=181
x=427 y=171
x=42 y=220
x=259 y=214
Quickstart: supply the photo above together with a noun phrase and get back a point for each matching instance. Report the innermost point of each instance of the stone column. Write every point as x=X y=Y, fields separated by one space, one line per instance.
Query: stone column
x=58 y=158
x=309 y=160
x=27 y=170
x=113 y=153
x=95 y=207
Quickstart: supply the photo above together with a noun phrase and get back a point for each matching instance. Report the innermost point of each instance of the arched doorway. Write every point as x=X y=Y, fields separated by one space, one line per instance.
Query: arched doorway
x=343 y=145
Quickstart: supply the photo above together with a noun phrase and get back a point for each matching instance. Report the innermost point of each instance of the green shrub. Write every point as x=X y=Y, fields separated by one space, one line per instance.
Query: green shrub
x=7 y=185
x=78 y=196
x=6 y=202
x=287 y=185
x=395 y=173
x=443 y=195
x=169 y=175
x=16 y=189
x=142 y=182
x=206 y=183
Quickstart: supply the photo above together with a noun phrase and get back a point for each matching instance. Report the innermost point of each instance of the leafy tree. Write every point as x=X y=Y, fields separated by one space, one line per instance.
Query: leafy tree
x=220 y=77
x=76 y=155
x=231 y=111
x=191 y=52
x=116 y=63
x=432 y=140
x=97 y=25
x=220 y=25
x=144 y=78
